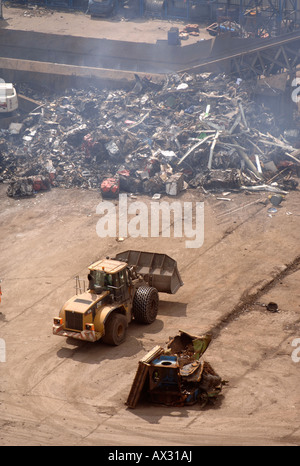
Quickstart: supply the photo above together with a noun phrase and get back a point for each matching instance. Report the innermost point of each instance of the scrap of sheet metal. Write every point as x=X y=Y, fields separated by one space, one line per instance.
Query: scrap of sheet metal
x=176 y=375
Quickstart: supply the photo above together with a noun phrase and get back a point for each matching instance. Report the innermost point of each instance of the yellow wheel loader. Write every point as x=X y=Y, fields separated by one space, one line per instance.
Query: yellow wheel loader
x=120 y=289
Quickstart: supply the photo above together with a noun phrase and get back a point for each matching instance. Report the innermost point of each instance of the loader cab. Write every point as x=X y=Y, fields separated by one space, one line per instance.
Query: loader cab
x=109 y=275
x=99 y=281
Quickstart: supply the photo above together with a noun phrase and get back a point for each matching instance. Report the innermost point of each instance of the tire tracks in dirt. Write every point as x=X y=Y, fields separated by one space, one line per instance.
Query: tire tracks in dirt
x=249 y=300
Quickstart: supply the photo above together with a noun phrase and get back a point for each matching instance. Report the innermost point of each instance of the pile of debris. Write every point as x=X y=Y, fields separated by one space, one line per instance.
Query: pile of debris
x=227 y=26
x=176 y=375
x=189 y=30
x=198 y=131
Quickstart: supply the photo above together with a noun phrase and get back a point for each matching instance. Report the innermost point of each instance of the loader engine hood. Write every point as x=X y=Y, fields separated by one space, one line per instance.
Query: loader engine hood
x=85 y=302
x=77 y=317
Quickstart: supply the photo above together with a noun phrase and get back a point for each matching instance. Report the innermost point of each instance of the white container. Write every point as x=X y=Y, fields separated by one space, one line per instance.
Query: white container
x=8 y=98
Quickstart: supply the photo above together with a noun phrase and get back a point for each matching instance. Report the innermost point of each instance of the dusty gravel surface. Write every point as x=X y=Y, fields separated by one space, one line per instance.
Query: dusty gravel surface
x=55 y=391
x=118 y=27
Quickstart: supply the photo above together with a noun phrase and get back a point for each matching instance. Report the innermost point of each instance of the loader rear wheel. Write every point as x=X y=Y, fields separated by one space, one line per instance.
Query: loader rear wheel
x=145 y=305
x=115 y=329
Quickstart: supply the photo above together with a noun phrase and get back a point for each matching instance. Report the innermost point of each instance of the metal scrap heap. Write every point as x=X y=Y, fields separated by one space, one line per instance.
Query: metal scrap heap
x=198 y=131
x=176 y=375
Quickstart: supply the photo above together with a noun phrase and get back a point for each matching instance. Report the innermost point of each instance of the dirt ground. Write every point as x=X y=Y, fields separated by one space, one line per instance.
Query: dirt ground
x=56 y=391
x=117 y=27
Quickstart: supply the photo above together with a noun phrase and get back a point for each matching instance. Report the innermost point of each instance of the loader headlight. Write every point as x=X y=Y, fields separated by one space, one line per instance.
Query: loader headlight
x=57 y=321
x=90 y=327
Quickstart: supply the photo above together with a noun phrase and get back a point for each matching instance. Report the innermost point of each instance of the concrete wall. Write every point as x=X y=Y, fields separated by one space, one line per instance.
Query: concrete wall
x=56 y=77
x=104 y=53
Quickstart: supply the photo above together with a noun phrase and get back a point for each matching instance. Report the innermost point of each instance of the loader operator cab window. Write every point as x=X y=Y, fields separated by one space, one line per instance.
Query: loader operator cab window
x=99 y=280
x=123 y=277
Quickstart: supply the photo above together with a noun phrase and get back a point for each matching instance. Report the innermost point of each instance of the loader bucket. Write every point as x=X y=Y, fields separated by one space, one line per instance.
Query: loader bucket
x=158 y=270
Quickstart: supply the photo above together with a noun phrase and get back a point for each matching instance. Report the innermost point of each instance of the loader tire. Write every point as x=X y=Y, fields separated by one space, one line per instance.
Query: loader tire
x=115 y=329
x=145 y=305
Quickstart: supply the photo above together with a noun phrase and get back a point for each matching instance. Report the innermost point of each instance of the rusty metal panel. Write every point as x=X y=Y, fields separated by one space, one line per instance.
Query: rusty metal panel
x=176 y=375
x=138 y=385
x=193 y=371
x=187 y=343
x=141 y=375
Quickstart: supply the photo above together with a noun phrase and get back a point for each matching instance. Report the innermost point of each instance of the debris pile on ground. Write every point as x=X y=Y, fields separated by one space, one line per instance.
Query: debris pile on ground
x=197 y=131
x=227 y=26
x=189 y=30
x=176 y=375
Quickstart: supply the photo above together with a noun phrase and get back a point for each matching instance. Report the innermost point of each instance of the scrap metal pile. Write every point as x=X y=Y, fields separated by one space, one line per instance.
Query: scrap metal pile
x=176 y=375
x=198 y=131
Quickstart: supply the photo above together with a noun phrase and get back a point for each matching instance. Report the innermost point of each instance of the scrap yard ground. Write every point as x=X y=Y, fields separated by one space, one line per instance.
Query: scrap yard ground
x=118 y=27
x=56 y=391
x=62 y=392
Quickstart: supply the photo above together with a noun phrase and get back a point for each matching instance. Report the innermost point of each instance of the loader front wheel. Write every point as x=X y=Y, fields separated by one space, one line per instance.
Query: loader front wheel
x=145 y=305
x=115 y=329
